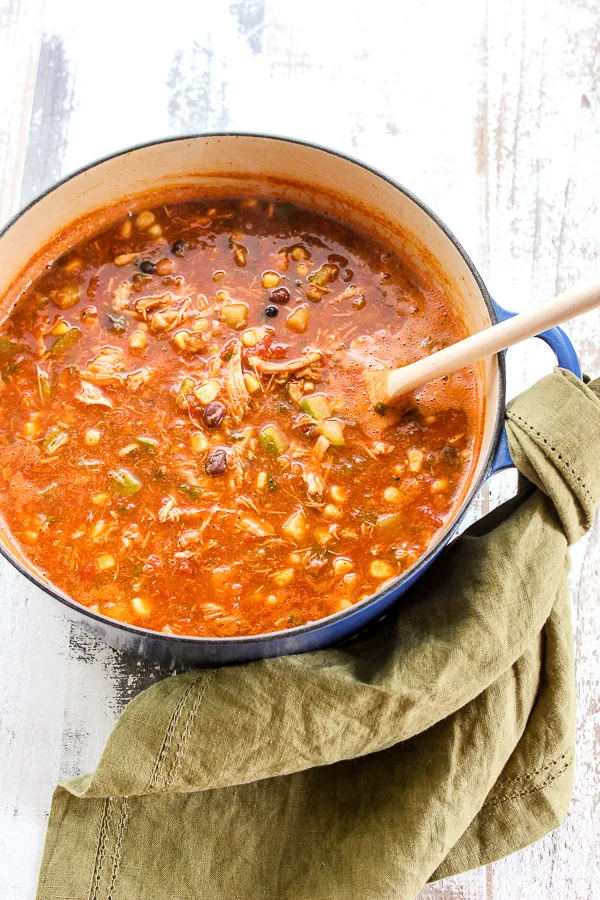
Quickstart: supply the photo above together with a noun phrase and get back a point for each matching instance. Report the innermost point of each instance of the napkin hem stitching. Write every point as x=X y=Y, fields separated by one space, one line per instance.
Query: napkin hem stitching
x=116 y=860
x=559 y=456
x=169 y=734
x=528 y=775
x=531 y=790
x=170 y=777
x=100 y=849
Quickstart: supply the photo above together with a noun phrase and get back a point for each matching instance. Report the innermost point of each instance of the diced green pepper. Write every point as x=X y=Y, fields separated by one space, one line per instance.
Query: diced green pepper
x=8 y=370
x=333 y=431
x=328 y=272
x=117 y=323
x=273 y=440
x=271 y=483
x=64 y=343
x=66 y=296
x=317 y=406
x=44 y=388
x=389 y=520
x=7 y=346
x=124 y=482
x=49 y=488
x=149 y=444
x=191 y=490
x=56 y=438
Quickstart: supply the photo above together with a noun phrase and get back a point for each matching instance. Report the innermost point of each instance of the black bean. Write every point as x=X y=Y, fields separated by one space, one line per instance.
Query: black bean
x=271 y=311
x=179 y=248
x=279 y=295
x=147 y=267
x=213 y=414
x=216 y=462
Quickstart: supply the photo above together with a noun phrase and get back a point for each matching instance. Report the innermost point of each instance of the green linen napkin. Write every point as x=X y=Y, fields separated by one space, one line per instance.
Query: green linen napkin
x=439 y=741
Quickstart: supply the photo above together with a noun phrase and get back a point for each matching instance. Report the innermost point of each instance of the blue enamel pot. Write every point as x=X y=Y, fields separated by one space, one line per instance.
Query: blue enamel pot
x=330 y=181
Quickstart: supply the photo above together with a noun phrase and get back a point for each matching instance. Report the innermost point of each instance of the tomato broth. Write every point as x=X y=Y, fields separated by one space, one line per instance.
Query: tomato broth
x=185 y=439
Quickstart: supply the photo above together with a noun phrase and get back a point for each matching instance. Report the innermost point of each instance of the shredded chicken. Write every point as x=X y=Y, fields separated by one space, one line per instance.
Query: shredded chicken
x=136 y=380
x=106 y=368
x=382 y=448
x=286 y=366
x=93 y=396
x=296 y=391
x=315 y=486
x=145 y=304
x=239 y=398
x=121 y=296
x=170 y=512
x=320 y=449
x=189 y=539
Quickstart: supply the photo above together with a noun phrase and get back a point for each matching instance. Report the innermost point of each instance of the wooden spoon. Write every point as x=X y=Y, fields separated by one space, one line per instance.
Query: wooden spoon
x=386 y=387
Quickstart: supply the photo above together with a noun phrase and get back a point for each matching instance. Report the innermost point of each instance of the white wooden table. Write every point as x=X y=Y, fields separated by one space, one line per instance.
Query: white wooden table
x=489 y=111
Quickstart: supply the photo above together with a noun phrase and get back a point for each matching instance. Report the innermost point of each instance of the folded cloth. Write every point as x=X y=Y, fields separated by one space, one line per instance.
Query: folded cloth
x=440 y=740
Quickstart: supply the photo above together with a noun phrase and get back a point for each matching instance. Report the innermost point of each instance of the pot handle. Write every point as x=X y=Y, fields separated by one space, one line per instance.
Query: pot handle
x=566 y=357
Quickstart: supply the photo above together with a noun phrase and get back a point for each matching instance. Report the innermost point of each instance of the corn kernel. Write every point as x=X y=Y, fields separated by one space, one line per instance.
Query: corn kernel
x=345 y=604
x=252 y=336
x=105 y=561
x=92 y=437
x=141 y=606
x=430 y=420
x=30 y=536
x=272 y=599
x=333 y=512
x=180 y=339
x=198 y=442
x=100 y=499
x=138 y=340
x=200 y=325
x=60 y=328
x=380 y=569
x=392 y=495
x=123 y=259
x=341 y=565
x=145 y=219
x=155 y=231
x=31 y=430
x=295 y=558
x=299 y=252
x=338 y=494
x=261 y=481
x=270 y=279
x=219 y=275
x=439 y=485
x=302 y=269
x=126 y=229
x=283 y=578
x=207 y=392
x=97 y=529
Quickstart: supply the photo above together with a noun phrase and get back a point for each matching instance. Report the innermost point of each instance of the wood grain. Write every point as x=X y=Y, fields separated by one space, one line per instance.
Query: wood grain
x=488 y=111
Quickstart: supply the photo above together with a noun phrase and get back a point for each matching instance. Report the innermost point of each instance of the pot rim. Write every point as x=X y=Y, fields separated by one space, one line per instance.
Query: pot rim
x=422 y=563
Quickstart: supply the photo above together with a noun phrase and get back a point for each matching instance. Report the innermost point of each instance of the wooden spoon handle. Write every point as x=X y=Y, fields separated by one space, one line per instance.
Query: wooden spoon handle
x=571 y=303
